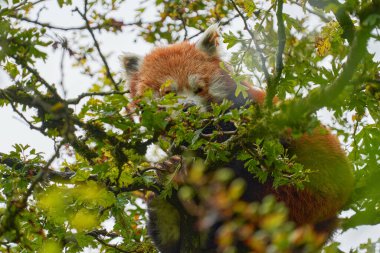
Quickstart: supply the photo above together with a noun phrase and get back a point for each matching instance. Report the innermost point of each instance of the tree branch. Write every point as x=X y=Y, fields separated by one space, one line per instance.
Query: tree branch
x=31 y=126
x=15 y=94
x=90 y=94
x=36 y=74
x=281 y=40
x=65 y=177
x=66 y=29
x=103 y=232
x=314 y=11
x=20 y=5
x=226 y=22
x=101 y=241
x=281 y=35
x=18 y=95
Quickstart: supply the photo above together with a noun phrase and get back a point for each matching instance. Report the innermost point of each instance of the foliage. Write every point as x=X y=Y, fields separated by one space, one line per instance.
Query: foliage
x=47 y=210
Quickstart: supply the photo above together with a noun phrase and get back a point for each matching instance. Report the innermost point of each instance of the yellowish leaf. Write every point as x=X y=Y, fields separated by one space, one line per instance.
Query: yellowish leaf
x=50 y=246
x=323 y=46
x=84 y=220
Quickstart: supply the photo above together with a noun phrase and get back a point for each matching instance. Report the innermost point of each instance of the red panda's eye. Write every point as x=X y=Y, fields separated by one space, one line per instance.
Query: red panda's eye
x=198 y=90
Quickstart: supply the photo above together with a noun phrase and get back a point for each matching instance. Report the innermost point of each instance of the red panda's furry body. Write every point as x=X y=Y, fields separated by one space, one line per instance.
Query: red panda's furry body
x=194 y=70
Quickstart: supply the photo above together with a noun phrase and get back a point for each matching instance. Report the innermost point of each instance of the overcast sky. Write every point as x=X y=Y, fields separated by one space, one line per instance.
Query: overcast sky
x=14 y=130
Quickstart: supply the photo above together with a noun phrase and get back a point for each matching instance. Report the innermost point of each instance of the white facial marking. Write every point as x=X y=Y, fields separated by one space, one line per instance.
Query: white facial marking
x=218 y=88
x=196 y=84
x=193 y=80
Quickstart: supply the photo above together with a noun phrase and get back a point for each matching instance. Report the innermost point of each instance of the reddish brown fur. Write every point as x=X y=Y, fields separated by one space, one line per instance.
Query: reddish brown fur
x=305 y=207
x=255 y=94
x=177 y=62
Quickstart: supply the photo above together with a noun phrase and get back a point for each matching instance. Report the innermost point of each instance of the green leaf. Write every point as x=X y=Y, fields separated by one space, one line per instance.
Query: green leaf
x=61 y=3
x=230 y=39
x=249 y=7
x=154 y=120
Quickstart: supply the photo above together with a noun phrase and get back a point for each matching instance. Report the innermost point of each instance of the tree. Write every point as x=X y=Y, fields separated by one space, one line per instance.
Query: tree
x=49 y=210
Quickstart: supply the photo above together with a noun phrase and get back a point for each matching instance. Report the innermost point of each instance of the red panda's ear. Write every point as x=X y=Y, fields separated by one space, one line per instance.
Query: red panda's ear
x=209 y=42
x=130 y=62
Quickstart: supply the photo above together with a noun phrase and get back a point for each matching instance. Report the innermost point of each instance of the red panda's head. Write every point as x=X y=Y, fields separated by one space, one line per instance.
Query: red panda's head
x=190 y=70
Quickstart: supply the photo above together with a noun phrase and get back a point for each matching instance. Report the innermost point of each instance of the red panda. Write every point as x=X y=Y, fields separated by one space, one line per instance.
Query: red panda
x=195 y=72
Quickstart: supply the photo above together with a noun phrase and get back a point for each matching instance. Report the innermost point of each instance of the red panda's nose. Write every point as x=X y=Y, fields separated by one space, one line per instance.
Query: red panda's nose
x=187 y=106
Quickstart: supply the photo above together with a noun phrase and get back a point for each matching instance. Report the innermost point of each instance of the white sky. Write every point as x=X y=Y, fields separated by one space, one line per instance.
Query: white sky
x=14 y=130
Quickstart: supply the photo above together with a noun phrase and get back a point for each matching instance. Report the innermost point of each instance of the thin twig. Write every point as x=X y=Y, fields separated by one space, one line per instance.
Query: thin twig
x=355 y=143
x=89 y=94
x=220 y=24
x=376 y=81
x=103 y=232
x=97 y=46
x=61 y=28
x=196 y=35
x=314 y=12
x=21 y=4
x=219 y=133
x=109 y=245
x=20 y=96
x=266 y=15
x=229 y=20
x=40 y=11
x=31 y=126
x=36 y=74
x=62 y=69
x=11 y=102
x=15 y=8
x=184 y=26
